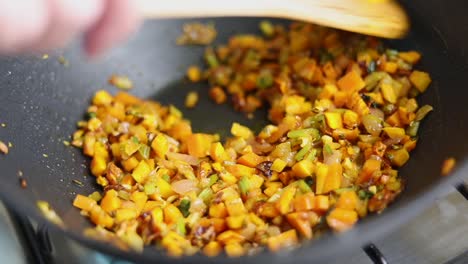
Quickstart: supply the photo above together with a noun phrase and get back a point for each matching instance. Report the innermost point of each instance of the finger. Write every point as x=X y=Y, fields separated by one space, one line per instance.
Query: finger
x=21 y=23
x=67 y=19
x=120 y=19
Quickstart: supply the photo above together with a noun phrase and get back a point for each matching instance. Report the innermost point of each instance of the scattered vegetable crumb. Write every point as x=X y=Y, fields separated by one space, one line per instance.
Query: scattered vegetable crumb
x=45 y=56
x=197 y=34
x=3 y=124
x=45 y=155
x=194 y=73
x=49 y=213
x=20 y=173
x=66 y=143
x=121 y=82
x=218 y=95
x=23 y=183
x=10 y=145
x=77 y=182
x=3 y=148
x=62 y=60
x=191 y=100
x=448 y=166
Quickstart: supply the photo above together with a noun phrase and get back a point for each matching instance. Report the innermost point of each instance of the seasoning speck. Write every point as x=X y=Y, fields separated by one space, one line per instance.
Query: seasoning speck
x=45 y=56
x=66 y=143
x=23 y=183
x=20 y=173
x=3 y=124
x=3 y=148
x=10 y=145
x=448 y=166
x=45 y=155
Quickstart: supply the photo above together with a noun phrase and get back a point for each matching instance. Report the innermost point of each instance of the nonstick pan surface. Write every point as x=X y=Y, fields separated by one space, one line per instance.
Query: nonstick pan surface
x=41 y=101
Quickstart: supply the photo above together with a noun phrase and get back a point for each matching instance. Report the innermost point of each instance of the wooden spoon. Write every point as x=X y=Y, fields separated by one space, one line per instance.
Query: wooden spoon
x=382 y=18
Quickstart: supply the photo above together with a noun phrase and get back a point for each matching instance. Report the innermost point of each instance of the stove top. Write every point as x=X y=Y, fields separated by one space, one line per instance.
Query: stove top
x=438 y=235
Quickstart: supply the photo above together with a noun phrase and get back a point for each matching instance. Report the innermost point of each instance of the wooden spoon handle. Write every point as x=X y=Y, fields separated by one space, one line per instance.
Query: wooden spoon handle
x=383 y=18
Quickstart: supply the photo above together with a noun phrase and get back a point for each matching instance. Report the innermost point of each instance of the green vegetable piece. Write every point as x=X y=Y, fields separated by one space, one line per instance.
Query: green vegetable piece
x=304 y=133
x=206 y=195
x=422 y=112
x=96 y=196
x=184 y=207
x=267 y=28
x=301 y=153
x=149 y=188
x=144 y=150
x=264 y=79
x=244 y=185
x=213 y=179
x=166 y=177
x=327 y=149
x=180 y=227
x=303 y=186
x=412 y=129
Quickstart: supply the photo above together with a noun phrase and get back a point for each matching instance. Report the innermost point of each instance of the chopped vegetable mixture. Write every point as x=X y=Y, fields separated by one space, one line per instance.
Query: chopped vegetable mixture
x=344 y=119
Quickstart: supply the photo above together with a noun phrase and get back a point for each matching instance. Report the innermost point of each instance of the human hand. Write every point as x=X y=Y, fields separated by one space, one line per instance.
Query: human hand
x=40 y=25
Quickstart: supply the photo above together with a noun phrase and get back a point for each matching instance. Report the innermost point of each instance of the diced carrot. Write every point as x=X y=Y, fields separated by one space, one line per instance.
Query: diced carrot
x=342 y=219
x=334 y=175
x=199 y=144
x=351 y=82
x=368 y=169
x=300 y=221
x=250 y=159
x=84 y=202
x=305 y=202
x=348 y=200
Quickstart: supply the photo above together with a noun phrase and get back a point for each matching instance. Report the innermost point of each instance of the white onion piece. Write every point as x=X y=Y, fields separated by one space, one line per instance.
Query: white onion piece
x=183 y=157
x=184 y=186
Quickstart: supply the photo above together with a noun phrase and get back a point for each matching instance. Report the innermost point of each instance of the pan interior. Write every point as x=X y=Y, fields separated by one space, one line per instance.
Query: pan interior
x=41 y=101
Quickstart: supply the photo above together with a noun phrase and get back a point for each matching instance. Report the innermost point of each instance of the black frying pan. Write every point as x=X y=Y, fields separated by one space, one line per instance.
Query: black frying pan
x=40 y=101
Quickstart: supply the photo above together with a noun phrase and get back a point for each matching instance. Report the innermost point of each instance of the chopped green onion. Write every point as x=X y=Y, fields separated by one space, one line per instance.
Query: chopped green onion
x=301 y=153
x=166 y=177
x=391 y=53
x=267 y=28
x=316 y=121
x=124 y=195
x=412 y=129
x=135 y=140
x=184 y=207
x=311 y=155
x=211 y=59
x=327 y=149
x=91 y=115
x=213 y=179
x=303 y=186
x=304 y=133
x=365 y=194
x=206 y=195
x=144 y=150
x=180 y=227
x=373 y=79
x=371 y=67
x=96 y=196
x=422 y=112
x=150 y=188
x=264 y=79
x=244 y=185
